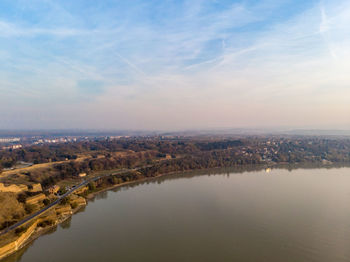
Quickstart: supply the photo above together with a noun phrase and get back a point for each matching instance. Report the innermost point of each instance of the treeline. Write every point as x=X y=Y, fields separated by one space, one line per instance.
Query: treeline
x=184 y=154
x=147 y=165
x=68 y=151
x=72 y=169
x=218 y=144
x=206 y=160
x=39 y=154
x=210 y=159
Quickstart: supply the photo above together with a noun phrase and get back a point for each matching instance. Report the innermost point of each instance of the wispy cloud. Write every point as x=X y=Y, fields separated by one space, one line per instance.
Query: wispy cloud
x=11 y=30
x=204 y=63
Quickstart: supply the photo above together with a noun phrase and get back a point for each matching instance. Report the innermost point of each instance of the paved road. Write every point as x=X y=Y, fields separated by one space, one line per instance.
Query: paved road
x=41 y=211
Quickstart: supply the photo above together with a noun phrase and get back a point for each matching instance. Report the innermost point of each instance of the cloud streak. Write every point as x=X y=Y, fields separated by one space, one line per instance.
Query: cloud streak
x=201 y=63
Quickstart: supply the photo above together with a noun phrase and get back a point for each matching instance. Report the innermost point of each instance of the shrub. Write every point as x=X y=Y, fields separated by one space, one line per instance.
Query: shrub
x=47 y=222
x=29 y=208
x=22 y=198
x=19 y=230
x=65 y=201
x=92 y=186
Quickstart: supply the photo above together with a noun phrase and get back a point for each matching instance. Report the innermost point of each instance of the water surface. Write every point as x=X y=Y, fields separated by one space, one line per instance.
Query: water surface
x=299 y=215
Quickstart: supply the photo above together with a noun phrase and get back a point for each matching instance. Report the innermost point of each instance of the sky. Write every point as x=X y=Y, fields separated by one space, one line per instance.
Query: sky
x=174 y=64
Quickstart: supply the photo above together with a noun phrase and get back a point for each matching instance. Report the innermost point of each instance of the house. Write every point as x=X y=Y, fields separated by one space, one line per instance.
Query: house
x=54 y=189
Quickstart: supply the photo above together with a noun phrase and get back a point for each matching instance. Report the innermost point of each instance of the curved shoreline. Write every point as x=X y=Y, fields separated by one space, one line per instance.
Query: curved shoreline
x=39 y=231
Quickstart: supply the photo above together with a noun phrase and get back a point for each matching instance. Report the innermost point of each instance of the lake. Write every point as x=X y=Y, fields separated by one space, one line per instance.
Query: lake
x=282 y=215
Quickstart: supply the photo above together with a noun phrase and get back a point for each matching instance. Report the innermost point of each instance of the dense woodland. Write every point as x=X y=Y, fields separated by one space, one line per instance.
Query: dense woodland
x=67 y=151
x=153 y=156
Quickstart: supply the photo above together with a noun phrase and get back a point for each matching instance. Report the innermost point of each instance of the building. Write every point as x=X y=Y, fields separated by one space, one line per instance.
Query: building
x=9 y=140
x=54 y=189
x=82 y=175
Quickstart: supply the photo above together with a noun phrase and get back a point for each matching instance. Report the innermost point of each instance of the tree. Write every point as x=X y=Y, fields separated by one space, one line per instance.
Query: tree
x=65 y=201
x=29 y=208
x=92 y=186
x=112 y=180
x=22 y=198
x=19 y=230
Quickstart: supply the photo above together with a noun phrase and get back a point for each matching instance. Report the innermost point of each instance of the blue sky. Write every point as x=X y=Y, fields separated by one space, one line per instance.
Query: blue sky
x=174 y=64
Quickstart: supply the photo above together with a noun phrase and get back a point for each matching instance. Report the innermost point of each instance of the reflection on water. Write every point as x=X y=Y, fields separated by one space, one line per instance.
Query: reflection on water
x=18 y=255
x=102 y=195
x=66 y=224
x=212 y=215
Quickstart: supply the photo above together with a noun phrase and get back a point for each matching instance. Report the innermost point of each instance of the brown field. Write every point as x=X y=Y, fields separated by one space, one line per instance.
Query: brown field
x=37 y=167
x=9 y=206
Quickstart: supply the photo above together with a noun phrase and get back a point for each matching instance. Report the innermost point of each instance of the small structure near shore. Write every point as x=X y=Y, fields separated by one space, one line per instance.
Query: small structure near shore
x=54 y=189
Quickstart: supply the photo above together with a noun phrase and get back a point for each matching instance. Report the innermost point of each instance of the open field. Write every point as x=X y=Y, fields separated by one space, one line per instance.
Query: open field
x=37 y=167
x=10 y=208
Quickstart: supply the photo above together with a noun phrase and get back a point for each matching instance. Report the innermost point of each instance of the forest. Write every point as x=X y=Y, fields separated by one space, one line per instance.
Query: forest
x=154 y=155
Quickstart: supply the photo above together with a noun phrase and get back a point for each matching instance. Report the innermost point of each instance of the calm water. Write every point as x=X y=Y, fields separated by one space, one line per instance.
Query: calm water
x=300 y=215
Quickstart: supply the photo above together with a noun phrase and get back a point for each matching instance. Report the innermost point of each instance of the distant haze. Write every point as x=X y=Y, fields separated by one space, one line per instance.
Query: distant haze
x=175 y=65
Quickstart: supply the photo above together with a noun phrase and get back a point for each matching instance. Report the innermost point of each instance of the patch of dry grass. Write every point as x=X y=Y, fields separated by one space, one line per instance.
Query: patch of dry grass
x=37 y=167
x=10 y=208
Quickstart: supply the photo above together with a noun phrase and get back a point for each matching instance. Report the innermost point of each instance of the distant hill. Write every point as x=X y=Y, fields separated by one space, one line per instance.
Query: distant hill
x=318 y=132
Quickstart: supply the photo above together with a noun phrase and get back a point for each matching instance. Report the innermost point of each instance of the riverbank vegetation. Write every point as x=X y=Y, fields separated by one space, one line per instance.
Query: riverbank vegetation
x=159 y=155
x=64 y=165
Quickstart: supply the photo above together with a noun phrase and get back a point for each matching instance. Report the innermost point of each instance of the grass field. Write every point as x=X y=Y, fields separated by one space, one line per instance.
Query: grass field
x=36 y=167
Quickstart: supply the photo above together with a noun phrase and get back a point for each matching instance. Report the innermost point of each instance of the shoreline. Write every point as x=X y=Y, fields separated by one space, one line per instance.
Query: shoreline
x=39 y=231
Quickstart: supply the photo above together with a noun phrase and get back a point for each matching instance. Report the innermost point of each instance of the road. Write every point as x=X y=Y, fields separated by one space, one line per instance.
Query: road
x=57 y=201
